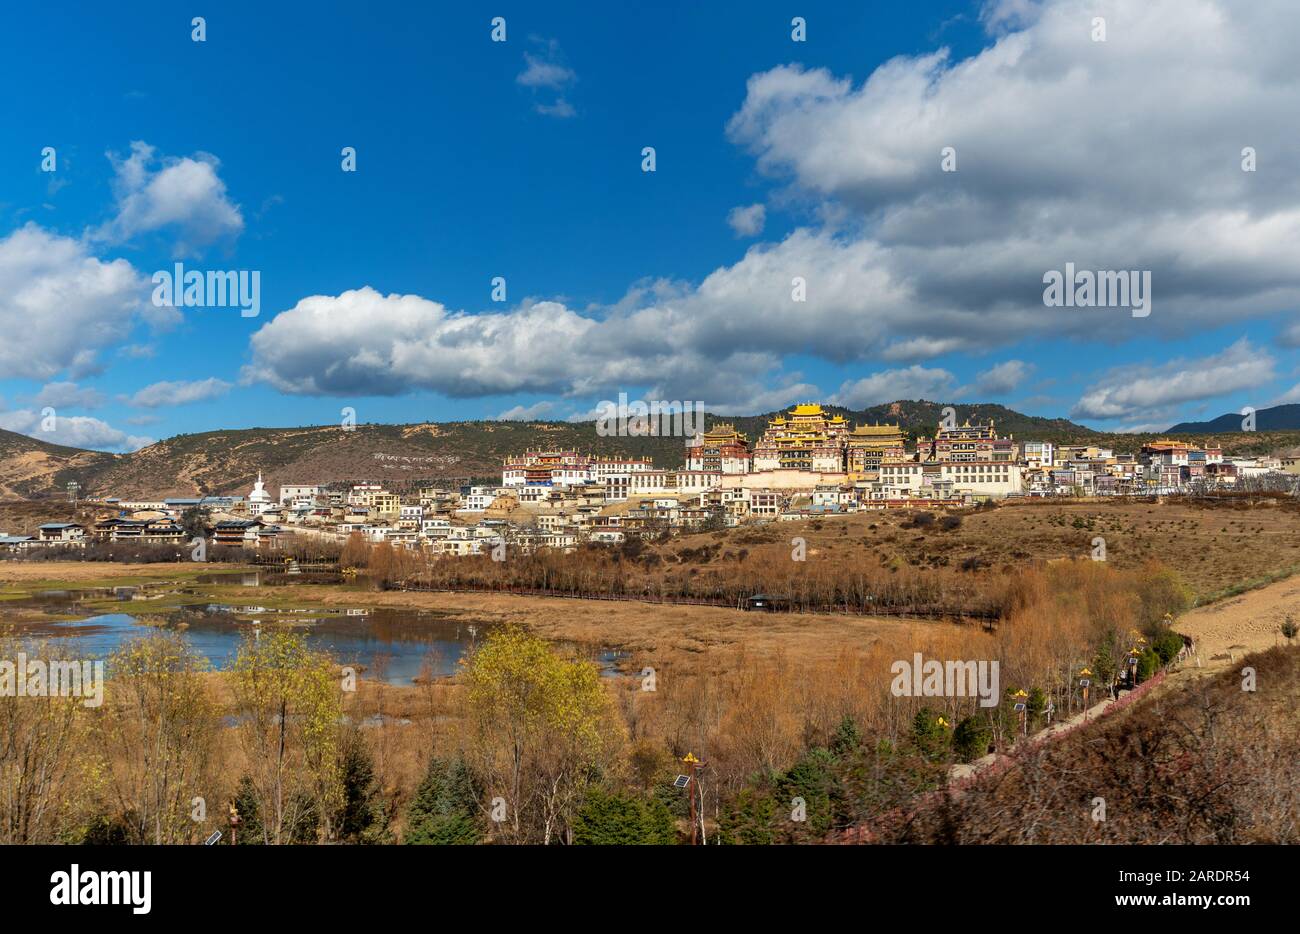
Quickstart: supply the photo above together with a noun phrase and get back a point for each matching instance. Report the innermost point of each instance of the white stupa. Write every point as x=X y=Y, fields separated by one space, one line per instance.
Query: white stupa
x=258 y=500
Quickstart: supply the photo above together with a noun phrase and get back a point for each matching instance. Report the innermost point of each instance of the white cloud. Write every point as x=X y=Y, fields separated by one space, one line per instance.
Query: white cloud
x=546 y=71
x=184 y=195
x=1144 y=428
x=747 y=221
x=910 y=262
x=59 y=306
x=1146 y=391
x=363 y=343
x=180 y=392
x=914 y=382
x=1000 y=379
x=1031 y=118
x=561 y=108
x=520 y=413
x=68 y=395
x=78 y=431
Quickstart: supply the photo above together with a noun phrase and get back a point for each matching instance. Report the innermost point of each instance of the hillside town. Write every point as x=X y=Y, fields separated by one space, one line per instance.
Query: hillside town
x=808 y=463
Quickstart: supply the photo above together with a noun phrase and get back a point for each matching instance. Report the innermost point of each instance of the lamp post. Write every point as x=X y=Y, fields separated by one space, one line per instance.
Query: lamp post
x=1021 y=698
x=1085 y=681
x=693 y=766
x=234 y=823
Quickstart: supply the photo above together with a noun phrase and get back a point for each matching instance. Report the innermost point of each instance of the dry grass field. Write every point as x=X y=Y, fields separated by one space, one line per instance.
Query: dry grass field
x=1217 y=550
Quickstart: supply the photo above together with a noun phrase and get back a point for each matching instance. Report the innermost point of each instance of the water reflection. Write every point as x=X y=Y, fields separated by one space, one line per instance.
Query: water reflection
x=394 y=645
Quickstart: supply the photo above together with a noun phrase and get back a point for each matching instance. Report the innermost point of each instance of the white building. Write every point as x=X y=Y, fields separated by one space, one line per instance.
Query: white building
x=299 y=494
x=1039 y=454
x=258 y=500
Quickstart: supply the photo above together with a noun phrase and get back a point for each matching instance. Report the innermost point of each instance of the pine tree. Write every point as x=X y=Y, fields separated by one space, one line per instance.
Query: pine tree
x=363 y=817
x=847 y=737
x=970 y=741
x=249 y=830
x=443 y=812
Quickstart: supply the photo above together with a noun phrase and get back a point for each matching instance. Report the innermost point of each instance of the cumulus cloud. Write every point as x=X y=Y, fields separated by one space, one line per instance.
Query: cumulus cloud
x=522 y=413
x=364 y=343
x=747 y=221
x=67 y=394
x=78 y=431
x=183 y=195
x=1031 y=118
x=1146 y=391
x=1000 y=379
x=909 y=262
x=914 y=382
x=59 y=305
x=179 y=392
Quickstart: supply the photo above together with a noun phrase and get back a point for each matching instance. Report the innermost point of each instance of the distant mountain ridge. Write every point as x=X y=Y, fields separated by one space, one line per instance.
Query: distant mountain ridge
x=1277 y=418
x=227 y=462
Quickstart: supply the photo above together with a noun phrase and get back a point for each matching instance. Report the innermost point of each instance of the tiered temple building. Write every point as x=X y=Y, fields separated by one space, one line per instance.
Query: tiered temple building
x=805 y=439
x=868 y=446
x=721 y=449
x=967 y=442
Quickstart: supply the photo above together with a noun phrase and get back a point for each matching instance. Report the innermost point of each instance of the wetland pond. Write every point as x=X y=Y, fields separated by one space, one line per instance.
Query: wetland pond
x=394 y=645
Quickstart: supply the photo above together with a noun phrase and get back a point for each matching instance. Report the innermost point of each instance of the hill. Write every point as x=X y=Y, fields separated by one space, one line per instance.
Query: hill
x=30 y=467
x=1277 y=418
x=227 y=462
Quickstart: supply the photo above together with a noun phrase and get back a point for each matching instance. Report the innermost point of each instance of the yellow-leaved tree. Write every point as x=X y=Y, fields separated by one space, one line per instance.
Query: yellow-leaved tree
x=542 y=729
x=289 y=707
x=159 y=736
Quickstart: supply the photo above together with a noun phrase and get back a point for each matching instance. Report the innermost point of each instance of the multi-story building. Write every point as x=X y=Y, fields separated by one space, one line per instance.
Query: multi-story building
x=721 y=449
x=299 y=494
x=967 y=442
x=1039 y=454
x=805 y=439
x=546 y=468
x=868 y=446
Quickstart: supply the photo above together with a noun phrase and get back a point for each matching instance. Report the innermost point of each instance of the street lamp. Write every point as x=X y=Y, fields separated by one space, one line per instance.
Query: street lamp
x=1021 y=698
x=690 y=782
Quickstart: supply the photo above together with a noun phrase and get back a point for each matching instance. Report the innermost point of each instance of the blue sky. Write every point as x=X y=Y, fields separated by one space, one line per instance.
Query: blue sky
x=522 y=159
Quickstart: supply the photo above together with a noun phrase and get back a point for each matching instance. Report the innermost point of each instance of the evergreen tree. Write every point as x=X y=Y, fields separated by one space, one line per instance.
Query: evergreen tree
x=928 y=733
x=249 y=830
x=1148 y=665
x=970 y=741
x=749 y=818
x=620 y=819
x=812 y=779
x=444 y=810
x=363 y=818
x=847 y=737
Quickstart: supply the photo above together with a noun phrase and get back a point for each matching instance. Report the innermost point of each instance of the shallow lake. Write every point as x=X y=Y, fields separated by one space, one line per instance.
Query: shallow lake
x=385 y=644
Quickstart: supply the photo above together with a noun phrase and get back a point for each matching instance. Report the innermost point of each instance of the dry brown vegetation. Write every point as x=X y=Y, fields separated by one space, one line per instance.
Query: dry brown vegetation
x=1207 y=763
x=746 y=710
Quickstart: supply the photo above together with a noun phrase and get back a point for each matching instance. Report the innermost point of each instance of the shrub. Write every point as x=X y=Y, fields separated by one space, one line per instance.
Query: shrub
x=971 y=739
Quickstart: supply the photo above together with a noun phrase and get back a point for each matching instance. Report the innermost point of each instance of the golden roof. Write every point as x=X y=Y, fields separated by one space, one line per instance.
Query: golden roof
x=806 y=408
x=880 y=430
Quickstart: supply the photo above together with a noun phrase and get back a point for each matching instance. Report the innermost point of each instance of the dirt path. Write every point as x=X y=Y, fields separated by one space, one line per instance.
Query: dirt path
x=1248 y=623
